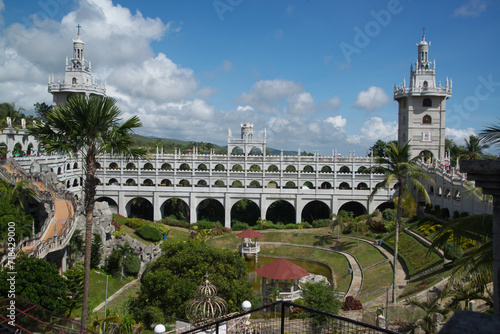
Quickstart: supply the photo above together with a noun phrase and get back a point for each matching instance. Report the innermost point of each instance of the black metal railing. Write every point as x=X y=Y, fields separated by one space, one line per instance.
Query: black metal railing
x=286 y=317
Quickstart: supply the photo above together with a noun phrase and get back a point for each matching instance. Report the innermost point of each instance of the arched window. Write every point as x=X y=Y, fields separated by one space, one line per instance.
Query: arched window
x=426 y=85
x=74 y=81
x=427 y=119
x=427 y=102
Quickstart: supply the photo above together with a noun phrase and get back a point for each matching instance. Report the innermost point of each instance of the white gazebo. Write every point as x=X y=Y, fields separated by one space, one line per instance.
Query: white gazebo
x=247 y=246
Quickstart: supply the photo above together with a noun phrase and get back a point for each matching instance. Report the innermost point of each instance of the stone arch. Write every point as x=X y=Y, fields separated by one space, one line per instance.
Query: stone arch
x=431 y=190
x=18 y=148
x=326 y=169
x=255 y=151
x=113 y=165
x=237 y=184
x=139 y=207
x=290 y=185
x=363 y=170
x=385 y=205
x=111 y=202
x=98 y=165
x=344 y=169
x=356 y=208
x=166 y=183
x=68 y=166
x=440 y=191
x=426 y=155
x=273 y=168
x=130 y=182
x=219 y=183
x=308 y=169
x=210 y=209
x=202 y=183
x=457 y=195
x=362 y=186
x=75 y=165
x=219 y=167
x=166 y=166
x=30 y=149
x=281 y=211
x=202 y=167
x=148 y=166
x=131 y=165
x=184 y=183
x=237 y=168
x=315 y=210
x=427 y=119
x=255 y=168
x=59 y=170
x=272 y=185
x=246 y=211
x=326 y=185
x=447 y=193
x=254 y=184
x=184 y=166
x=148 y=183
x=175 y=207
x=290 y=169
x=308 y=184
x=344 y=186
x=237 y=150
x=75 y=183
x=113 y=182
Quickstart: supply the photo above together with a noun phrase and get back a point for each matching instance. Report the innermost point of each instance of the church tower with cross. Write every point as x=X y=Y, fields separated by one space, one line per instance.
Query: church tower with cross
x=422 y=107
x=77 y=78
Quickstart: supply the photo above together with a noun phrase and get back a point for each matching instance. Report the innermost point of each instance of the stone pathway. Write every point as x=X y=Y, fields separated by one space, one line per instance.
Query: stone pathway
x=357 y=272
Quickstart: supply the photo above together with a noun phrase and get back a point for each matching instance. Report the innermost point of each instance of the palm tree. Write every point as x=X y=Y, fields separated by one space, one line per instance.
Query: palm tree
x=474 y=146
x=339 y=221
x=432 y=309
x=464 y=294
x=125 y=250
x=16 y=193
x=9 y=110
x=87 y=127
x=491 y=135
x=400 y=168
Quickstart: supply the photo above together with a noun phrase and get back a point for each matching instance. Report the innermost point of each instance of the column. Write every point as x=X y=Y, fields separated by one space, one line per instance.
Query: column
x=193 y=218
x=156 y=206
x=227 y=210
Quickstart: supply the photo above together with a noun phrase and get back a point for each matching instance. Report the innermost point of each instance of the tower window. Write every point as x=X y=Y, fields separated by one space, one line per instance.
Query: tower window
x=74 y=81
x=426 y=84
x=427 y=119
x=427 y=102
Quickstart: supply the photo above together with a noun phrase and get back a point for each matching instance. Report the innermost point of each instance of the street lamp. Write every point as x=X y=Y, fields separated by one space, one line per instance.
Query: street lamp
x=105 y=301
x=246 y=306
x=160 y=329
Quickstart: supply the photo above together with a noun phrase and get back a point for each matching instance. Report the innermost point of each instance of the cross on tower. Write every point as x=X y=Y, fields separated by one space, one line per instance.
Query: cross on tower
x=78 y=26
x=423 y=33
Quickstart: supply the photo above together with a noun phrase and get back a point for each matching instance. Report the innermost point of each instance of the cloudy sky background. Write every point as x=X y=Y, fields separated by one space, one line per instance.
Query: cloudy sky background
x=317 y=75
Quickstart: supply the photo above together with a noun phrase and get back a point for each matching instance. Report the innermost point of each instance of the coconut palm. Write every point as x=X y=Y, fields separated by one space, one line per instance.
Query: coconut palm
x=87 y=127
x=491 y=135
x=16 y=193
x=463 y=294
x=400 y=169
x=474 y=147
x=432 y=310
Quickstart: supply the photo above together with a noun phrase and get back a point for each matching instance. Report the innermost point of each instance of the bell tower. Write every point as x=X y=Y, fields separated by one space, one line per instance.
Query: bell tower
x=422 y=107
x=77 y=78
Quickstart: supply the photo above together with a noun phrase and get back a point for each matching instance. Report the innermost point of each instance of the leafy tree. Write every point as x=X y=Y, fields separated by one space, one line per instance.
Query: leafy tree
x=42 y=109
x=321 y=296
x=455 y=151
x=87 y=126
x=10 y=213
x=378 y=149
x=339 y=221
x=172 y=279
x=74 y=295
x=132 y=264
x=37 y=281
x=96 y=251
x=463 y=294
x=400 y=168
x=16 y=193
x=9 y=110
x=75 y=246
x=474 y=147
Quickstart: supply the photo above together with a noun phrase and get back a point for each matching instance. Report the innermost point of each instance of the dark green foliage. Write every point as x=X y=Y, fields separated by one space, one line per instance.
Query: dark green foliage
x=456 y=214
x=305 y=225
x=389 y=214
x=239 y=226
x=149 y=233
x=321 y=223
x=135 y=223
x=445 y=213
x=37 y=281
x=11 y=213
x=172 y=279
x=173 y=221
x=41 y=109
x=74 y=280
x=112 y=264
x=205 y=224
x=96 y=251
x=321 y=296
x=132 y=265
x=452 y=251
x=291 y=226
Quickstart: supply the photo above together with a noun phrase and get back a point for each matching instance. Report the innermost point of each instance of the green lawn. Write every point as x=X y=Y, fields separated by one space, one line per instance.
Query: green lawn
x=376 y=278
x=97 y=290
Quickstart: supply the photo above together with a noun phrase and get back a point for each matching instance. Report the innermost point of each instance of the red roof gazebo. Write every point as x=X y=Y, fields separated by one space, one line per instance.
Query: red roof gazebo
x=284 y=276
x=247 y=246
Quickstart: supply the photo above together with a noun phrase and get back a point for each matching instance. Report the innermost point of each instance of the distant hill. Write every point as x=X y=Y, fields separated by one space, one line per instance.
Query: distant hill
x=169 y=144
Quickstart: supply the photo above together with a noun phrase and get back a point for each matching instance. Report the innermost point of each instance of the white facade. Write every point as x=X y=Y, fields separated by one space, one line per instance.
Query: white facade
x=422 y=107
x=77 y=78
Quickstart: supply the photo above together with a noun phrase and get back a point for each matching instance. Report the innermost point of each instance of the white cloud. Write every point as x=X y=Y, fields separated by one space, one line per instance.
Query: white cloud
x=206 y=92
x=374 y=129
x=244 y=108
x=337 y=121
x=332 y=104
x=300 y=104
x=2 y=8
x=458 y=135
x=472 y=8
x=371 y=99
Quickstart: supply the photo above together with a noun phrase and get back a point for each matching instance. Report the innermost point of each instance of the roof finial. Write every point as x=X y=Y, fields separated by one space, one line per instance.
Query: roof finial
x=423 y=33
x=78 y=26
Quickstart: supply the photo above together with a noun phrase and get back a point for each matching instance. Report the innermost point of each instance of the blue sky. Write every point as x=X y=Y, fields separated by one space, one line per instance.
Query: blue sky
x=318 y=75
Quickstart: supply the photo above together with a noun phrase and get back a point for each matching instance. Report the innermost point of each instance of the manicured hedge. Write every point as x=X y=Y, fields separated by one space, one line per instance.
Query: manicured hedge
x=149 y=233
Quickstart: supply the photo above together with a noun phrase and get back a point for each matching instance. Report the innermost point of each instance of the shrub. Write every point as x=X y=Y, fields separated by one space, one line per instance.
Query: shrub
x=132 y=265
x=240 y=226
x=456 y=214
x=305 y=225
x=445 y=213
x=205 y=224
x=428 y=208
x=321 y=223
x=112 y=264
x=116 y=224
x=351 y=304
x=279 y=226
x=464 y=214
x=134 y=223
x=291 y=226
x=173 y=221
x=118 y=233
x=389 y=214
x=164 y=229
x=452 y=251
x=149 y=233
x=96 y=251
